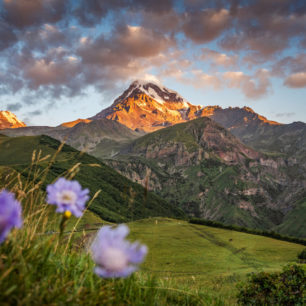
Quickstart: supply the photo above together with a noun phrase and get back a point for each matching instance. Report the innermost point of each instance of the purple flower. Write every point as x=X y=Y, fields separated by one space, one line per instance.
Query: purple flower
x=10 y=213
x=68 y=196
x=115 y=256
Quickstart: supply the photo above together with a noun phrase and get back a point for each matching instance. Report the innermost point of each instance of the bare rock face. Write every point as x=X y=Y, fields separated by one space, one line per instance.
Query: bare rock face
x=9 y=120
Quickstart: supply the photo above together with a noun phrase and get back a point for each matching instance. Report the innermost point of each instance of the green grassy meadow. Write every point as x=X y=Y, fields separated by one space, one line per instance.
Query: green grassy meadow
x=198 y=256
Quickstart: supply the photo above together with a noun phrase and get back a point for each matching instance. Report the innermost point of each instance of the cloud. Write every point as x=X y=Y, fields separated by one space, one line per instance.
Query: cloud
x=48 y=36
x=296 y=80
x=265 y=29
x=90 y=12
x=217 y=58
x=204 y=80
x=290 y=64
x=34 y=113
x=8 y=37
x=41 y=72
x=281 y=115
x=130 y=51
x=14 y=107
x=55 y=48
x=204 y=26
x=26 y=13
x=253 y=87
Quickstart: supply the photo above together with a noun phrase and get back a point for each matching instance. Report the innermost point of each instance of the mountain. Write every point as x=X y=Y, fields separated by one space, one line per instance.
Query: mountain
x=75 y=122
x=203 y=169
x=288 y=140
x=9 y=120
x=149 y=106
x=102 y=138
x=120 y=199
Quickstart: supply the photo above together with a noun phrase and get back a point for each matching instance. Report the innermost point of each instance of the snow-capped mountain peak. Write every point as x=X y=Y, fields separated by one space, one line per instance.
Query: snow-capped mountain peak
x=148 y=105
x=154 y=90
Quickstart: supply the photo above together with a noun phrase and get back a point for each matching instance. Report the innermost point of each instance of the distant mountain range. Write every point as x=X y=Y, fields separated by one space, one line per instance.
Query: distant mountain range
x=231 y=165
x=149 y=106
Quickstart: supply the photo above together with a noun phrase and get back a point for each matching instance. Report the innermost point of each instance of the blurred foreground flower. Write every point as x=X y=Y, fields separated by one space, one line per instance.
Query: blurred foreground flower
x=10 y=213
x=68 y=196
x=115 y=256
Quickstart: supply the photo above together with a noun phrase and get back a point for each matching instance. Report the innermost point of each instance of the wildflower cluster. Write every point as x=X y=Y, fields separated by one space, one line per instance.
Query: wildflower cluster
x=113 y=254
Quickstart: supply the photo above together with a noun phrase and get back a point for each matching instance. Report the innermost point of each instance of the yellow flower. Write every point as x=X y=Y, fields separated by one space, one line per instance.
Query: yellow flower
x=67 y=214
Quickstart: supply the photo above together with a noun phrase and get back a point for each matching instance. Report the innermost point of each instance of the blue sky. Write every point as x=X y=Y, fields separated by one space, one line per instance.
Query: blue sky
x=63 y=60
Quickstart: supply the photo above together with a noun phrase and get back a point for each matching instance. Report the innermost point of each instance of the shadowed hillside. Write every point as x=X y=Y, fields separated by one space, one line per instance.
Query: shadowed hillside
x=119 y=200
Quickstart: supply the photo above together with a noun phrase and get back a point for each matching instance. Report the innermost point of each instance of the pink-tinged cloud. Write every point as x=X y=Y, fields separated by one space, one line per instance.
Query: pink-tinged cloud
x=204 y=80
x=296 y=80
x=253 y=87
x=41 y=72
x=218 y=59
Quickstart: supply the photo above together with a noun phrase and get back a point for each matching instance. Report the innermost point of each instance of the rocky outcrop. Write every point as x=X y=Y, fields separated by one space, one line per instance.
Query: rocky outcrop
x=9 y=120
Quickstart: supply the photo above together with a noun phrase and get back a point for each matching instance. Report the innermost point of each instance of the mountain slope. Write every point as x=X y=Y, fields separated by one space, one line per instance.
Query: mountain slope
x=202 y=168
x=120 y=199
x=9 y=120
x=75 y=122
x=102 y=138
x=149 y=106
x=294 y=222
x=261 y=134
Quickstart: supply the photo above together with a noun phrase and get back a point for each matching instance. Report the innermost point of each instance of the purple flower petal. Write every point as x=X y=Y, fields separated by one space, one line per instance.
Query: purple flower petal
x=115 y=256
x=67 y=195
x=10 y=214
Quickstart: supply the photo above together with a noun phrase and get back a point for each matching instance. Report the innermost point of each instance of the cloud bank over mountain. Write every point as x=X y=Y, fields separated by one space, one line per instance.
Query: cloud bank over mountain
x=51 y=49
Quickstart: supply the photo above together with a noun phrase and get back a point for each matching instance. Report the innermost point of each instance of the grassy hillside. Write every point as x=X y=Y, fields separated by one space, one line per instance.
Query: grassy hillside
x=294 y=223
x=199 y=256
x=119 y=200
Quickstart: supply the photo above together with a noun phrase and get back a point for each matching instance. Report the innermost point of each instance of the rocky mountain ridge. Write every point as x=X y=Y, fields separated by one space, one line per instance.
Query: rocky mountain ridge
x=150 y=106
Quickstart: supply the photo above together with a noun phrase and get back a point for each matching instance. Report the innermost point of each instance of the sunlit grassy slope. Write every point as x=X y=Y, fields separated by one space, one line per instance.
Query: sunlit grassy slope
x=200 y=256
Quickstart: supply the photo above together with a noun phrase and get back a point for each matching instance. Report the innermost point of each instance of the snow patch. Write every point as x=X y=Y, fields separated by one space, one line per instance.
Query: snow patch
x=151 y=92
